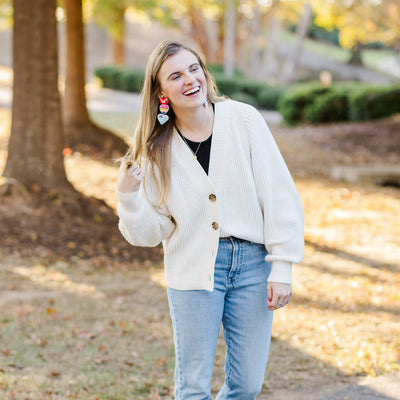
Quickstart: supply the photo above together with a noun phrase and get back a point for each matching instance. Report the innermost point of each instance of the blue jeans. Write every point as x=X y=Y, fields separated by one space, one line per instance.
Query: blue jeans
x=239 y=301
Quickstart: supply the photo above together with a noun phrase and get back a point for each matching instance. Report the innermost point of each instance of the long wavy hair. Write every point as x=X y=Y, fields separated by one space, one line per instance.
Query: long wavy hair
x=152 y=141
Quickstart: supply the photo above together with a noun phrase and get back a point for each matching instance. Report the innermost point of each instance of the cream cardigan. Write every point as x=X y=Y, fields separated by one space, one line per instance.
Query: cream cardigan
x=248 y=193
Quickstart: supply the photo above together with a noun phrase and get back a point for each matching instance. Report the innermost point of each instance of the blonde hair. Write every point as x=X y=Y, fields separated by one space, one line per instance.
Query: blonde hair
x=152 y=141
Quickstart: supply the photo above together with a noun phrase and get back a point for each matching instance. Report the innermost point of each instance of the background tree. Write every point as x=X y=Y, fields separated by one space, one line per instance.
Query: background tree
x=360 y=23
x=36 y=141
x=111 y=14
x=79 y=129
x=5 y=14
x=229 y=38
x=288 y=73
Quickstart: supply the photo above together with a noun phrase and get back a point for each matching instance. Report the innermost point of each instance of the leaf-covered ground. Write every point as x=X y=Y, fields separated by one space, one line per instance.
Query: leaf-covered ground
x=95 y=324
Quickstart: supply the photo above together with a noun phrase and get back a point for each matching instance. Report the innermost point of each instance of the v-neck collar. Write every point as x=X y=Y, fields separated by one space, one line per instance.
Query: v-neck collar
x=182 y=154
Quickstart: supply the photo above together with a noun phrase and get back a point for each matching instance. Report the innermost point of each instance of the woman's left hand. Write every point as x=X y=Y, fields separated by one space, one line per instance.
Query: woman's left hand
x=279 y=295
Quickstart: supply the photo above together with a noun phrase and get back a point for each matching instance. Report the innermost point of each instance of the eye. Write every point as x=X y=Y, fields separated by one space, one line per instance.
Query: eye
x=195 y=68
x=175 y=77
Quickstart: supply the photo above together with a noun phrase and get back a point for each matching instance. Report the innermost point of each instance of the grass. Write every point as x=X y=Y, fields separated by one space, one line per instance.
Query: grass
x=122 y=123
x=98 y=329
x=324 y=49
x=371 y=58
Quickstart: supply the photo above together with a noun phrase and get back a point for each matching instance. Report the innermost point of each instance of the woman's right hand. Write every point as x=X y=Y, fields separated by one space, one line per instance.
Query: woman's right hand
x=129 y=177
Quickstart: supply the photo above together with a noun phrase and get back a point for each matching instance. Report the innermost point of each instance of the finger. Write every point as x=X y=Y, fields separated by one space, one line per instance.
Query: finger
x=135 y=171
x=269 y=292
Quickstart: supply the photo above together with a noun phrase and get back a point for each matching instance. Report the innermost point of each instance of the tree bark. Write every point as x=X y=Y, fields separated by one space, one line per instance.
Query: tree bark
x=199 y=30
x=290 y=65
x=270 y=58
x=355 y=58
x=255 y=56
x=229 y=39
x=36 y=141
x=118 y=51
x=79 y=129
x=118 y=35
x=74 y=96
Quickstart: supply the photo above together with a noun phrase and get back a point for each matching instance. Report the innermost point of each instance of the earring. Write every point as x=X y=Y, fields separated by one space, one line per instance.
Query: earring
x=205 y=103
x=164 y=107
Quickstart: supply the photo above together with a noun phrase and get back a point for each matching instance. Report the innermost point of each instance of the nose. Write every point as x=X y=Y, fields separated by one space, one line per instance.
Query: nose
x=189 y=78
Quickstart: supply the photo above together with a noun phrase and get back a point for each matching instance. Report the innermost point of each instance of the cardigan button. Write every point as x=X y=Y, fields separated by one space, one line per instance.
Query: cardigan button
x=212 y=197
x=215 y=225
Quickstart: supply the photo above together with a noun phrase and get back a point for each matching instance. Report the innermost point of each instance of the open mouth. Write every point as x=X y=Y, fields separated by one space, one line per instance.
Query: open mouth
x=192 y=91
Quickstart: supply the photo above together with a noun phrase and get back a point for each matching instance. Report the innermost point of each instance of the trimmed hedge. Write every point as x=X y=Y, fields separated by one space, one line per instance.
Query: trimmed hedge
x=334 y=105
x=245 y=98
x=303 y=103
x=217 y=69
x=118 y=78
x=374 y=102
x=261 y=94
x=110 y=76
x=268 y=97
x=294 y=102
x=252 y=87
x=132 y=81
x=227 y=85
x=346 y=101
x=239 y=87
x=331 y=107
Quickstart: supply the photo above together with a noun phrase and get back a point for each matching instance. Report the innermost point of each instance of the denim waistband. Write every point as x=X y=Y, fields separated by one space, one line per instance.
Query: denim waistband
x=231 y=239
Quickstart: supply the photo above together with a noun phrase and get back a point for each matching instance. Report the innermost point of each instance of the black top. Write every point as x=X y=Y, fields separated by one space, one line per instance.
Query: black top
x=203 y=154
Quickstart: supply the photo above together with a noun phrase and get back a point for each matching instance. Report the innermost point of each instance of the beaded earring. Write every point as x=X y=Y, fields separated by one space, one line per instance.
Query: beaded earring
x=164 y=107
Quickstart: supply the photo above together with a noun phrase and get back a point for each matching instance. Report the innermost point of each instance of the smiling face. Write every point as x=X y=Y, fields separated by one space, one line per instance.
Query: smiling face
x=183 y=81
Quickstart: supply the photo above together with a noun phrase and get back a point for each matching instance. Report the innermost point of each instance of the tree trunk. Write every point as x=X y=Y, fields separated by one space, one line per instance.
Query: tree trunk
x=355 y=58
x=219 y=58
x=229 y=39
x=270 y=58
x=118 y=51
x=75 y=97
x=79 y=129
x=290 y=65
x=199 y=30
x=255 y=57
x=36 y=141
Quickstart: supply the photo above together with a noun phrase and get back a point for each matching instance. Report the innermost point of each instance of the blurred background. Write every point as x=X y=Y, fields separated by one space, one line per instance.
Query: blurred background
x=83 y=313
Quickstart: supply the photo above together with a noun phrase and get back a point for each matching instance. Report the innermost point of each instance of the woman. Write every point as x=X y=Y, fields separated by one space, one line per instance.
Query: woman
x=206 y=179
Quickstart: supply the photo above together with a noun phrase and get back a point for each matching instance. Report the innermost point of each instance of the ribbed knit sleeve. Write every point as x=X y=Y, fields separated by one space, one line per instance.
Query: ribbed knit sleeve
x=141 y=223
x=278 y=197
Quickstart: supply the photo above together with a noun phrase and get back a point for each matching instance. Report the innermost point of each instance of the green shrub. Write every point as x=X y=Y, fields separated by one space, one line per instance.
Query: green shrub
x=227 y=86
x=245 y=98
x=315 y=103
x=293 y=103
x=110 y=76
x=374 y=102
x=251 y=86
x=268 y=97
x=217 y=69
x=132 y=81
x=331 y=107
x=260 y=93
